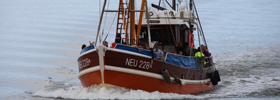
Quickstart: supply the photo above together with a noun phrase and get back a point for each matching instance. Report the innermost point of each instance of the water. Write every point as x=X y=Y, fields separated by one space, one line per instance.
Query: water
x=40 y=42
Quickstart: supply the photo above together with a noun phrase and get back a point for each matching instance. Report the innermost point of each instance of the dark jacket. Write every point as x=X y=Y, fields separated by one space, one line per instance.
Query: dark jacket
x=188 y=51
x=119 y=41
x=179 y=48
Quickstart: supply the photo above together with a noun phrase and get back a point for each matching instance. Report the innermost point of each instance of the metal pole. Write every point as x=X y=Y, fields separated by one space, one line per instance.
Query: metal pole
x=159 y=3
x=132 y=23
x=191 y=4
x=200 y=48
x=174 y=4
x=131 y=16
x=100 y=21
x=148 y=23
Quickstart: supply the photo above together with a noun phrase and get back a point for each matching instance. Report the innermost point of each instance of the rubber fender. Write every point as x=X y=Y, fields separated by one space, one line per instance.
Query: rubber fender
x=166 y=76
x=177 y=80
x=212 y=78
x=217 y=75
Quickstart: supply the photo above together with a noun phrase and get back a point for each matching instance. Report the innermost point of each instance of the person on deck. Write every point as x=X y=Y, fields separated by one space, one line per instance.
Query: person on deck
x=199 y=54
x=84 y=46
x=205 y=51
x=180 y=53
x=192 y=39
x=105 y=43
x=147 y=46
x=119 y=39
x=179 y=47
x=188 y=50
x=207 y=54
x=139 y=46
x=113 y=45
x=158 y=52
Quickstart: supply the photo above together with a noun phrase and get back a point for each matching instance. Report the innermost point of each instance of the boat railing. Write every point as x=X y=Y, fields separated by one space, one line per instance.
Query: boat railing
x=188 y=61
x=175 y=59
x=87 y=48
x=172 y=14
x=134 y=49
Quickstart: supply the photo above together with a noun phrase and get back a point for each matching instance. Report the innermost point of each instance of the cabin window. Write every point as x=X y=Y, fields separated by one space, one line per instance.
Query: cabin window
x=143 y=34
x=143 y=38
x=155 y=34
x=161 y=34
x=167 y=36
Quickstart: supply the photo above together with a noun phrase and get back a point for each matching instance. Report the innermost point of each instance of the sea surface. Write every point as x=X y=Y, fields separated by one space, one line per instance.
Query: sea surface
x=40 y=41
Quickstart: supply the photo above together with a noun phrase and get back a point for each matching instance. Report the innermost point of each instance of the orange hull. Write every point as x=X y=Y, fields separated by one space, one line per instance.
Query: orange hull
x=151 y=84
x=91 y=78
x=141 y=82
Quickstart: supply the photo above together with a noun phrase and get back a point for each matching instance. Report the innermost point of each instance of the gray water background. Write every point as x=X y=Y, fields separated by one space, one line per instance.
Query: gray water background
x=40 y=42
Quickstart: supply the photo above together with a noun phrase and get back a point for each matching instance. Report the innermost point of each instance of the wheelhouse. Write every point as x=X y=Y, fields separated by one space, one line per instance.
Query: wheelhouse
x=166 y=32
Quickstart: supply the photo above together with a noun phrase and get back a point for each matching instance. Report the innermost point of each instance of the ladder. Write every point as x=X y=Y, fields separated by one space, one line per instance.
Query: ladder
x=123 y=19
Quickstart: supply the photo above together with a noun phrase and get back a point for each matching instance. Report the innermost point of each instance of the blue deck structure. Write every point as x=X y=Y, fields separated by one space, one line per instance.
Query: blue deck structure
x=182 y=61
x=133 y=49
x=87 y=48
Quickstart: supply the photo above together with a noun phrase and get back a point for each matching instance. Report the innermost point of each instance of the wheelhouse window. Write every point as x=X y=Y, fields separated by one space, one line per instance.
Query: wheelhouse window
x=161 y=34
x=168 y=37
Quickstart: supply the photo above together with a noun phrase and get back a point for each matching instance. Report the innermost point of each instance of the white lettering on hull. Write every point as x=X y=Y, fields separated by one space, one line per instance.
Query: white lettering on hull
x=134 y=63
x=83 y=63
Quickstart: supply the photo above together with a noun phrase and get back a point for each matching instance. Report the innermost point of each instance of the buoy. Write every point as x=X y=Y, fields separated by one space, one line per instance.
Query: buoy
x=177 y=80
x=166 y=76
x=217 y=76
x=212 y=78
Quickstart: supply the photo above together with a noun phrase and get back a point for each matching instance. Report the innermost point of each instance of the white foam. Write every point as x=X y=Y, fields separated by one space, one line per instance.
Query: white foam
x=96 y=92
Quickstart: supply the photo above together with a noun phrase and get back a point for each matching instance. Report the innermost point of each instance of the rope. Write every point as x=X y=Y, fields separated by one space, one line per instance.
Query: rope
x=169 y=24
x=171 y=29
x=99 y=8
x=188 y=74
x=111 y=26
x=105 y=19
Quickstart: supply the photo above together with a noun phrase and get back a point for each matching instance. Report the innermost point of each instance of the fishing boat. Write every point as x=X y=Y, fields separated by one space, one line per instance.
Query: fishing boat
x=126 y=65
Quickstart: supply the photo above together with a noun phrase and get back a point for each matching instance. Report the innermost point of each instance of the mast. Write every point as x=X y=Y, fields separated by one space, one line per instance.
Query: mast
x=100 y=21
x=174 y=5
x=191 y=4
x=148 y=23
x=140 y=22
x=132 y=23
